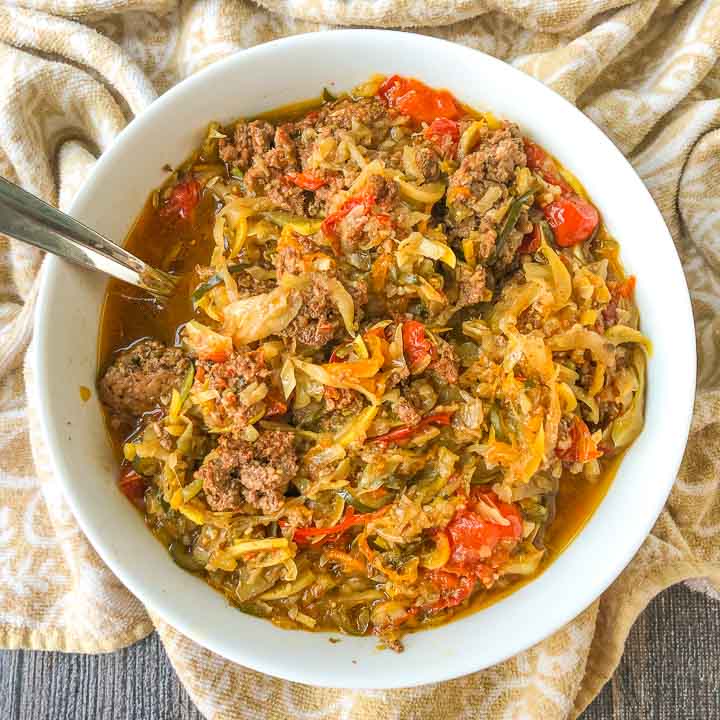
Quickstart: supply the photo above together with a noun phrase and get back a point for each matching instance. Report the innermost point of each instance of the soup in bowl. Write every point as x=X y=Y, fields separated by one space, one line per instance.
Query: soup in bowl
x=404 y=363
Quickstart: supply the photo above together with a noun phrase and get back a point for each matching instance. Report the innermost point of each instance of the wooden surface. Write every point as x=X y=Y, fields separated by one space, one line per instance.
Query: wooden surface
x=670 y=671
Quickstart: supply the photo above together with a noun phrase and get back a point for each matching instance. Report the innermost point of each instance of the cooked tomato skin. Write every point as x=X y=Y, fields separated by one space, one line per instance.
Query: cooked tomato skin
x=476 y=549
x=183 y=199
x=540 y=162
x=443 y=126
x=583 y=447
x=416 y=344
x=329 y=226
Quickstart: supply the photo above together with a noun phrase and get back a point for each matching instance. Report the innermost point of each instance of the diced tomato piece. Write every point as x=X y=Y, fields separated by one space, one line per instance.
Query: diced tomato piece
x=183 y=199
x=329 y=225
x=507 y=510
x=582 y=446
x=132 y=485
x=444 y=133
x=305 y=180
x=475 y=549
x=536 y=156
x=572 y=219
x=473 y=539
x=540 y=162
x=417 y=100
x=416 y=345
x=443 y=126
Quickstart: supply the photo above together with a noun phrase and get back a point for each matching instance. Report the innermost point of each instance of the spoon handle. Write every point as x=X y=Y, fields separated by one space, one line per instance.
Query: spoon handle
x=26 y=218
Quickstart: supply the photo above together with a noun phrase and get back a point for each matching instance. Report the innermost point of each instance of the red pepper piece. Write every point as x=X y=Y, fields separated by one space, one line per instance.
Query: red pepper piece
x=407 y=431
x=333 y=532
x=305 y=180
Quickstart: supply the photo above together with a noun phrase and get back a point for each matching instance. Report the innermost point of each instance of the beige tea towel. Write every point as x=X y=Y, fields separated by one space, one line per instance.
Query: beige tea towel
x=74 y=72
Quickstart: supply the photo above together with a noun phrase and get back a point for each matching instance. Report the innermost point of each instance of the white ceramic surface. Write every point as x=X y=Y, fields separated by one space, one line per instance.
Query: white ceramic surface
x=66 y=340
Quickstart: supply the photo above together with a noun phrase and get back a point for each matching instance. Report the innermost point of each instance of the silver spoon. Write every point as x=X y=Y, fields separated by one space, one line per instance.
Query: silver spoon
x=26 y=218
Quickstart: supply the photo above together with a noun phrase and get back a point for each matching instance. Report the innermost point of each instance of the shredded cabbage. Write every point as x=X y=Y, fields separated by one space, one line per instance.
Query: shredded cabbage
x=416 y=245
x=427 y=194
x=255 y=318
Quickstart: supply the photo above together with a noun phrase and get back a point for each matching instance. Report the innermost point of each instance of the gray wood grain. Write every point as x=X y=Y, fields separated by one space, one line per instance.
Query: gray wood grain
x=670 y=670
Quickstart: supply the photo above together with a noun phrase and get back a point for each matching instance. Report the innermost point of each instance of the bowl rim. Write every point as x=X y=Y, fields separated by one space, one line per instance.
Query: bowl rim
x=582 y=597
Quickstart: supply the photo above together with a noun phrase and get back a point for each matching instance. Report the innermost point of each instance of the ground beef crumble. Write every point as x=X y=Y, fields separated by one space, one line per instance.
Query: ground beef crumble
x=481 y=186
x=406 y=412
x=472 y=286
x=229 y=379
x=427 y=162
x=250 y=140
x=341 y=399
x=318 y=321
x=445 y=366
x=239 y=472
x=139 y=377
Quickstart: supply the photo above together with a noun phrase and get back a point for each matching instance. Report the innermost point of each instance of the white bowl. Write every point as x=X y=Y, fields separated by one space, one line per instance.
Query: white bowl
x=67 y=319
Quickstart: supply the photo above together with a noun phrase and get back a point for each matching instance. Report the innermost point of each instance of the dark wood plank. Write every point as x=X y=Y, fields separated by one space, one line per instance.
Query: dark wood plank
x=671 y=665
x=10 y=671
x=670 y=669
x=137 y=683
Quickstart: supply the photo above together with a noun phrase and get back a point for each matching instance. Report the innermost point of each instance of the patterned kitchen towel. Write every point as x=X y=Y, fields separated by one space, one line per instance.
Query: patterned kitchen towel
x=75 y=71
